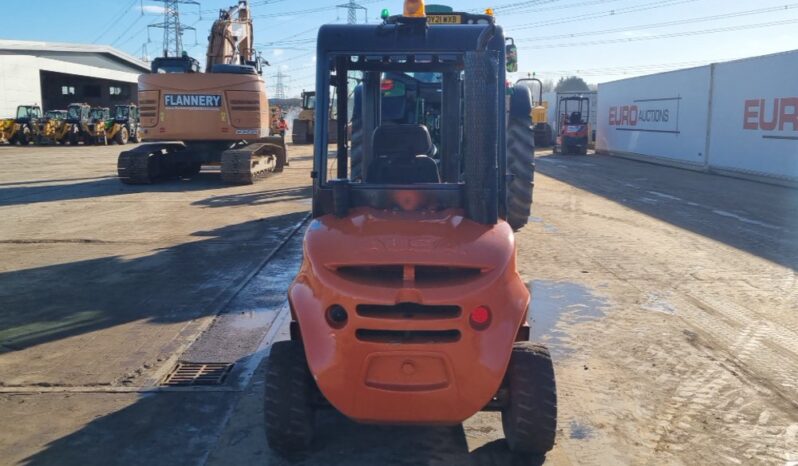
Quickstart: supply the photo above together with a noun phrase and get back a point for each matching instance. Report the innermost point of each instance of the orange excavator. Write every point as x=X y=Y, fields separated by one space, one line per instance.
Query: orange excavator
x=219 y=117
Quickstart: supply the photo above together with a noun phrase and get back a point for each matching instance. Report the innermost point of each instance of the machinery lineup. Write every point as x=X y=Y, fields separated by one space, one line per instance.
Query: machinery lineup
x=79 y=123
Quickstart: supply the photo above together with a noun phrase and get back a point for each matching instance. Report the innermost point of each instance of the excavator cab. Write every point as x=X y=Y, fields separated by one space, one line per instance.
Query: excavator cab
x=182 y=64
x=422 y=317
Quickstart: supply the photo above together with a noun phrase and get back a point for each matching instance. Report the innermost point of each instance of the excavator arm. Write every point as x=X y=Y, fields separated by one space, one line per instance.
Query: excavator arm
x=231 y=38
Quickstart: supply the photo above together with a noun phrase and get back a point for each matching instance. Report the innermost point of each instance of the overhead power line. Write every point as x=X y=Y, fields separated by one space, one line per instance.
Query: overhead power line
x=741 y=27
x=510 y=6
x=125 y=10
x=120 y=36
x=309 y=10
x=557 y=7
x=664 y=24
x=587 y=16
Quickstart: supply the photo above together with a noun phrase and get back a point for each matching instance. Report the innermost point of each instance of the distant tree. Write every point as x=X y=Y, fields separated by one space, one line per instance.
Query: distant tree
x=572 y=84
x=548 y=85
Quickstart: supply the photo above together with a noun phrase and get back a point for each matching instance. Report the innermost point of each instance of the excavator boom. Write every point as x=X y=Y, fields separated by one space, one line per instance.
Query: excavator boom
x=230 y=41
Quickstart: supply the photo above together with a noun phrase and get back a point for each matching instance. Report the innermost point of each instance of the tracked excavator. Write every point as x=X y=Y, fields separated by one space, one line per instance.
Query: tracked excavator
x=219 y=117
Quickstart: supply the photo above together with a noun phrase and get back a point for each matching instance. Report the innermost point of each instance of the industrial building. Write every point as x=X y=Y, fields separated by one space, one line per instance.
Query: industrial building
x=54 y=75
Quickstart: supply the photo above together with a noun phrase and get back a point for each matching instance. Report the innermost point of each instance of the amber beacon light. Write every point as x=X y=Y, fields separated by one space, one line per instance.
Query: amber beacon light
x=415 y=9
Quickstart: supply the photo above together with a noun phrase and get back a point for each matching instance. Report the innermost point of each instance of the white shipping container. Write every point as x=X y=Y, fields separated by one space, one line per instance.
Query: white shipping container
x=755 y=116
x=662 y=117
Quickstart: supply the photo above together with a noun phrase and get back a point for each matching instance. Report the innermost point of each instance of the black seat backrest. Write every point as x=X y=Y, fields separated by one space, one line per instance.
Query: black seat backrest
x=400 y=156
x=576 y=118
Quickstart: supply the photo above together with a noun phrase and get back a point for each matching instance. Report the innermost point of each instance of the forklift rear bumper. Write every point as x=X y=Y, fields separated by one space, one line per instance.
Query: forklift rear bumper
x=410 y=353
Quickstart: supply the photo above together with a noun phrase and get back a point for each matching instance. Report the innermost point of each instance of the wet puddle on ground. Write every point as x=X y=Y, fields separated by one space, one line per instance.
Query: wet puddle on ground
x=553 y=302
x=548 y=228
x=580 y=431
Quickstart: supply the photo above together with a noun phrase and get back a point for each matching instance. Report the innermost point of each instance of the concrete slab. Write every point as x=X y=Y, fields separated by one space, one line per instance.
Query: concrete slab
x=673 y=325
x=101 y=283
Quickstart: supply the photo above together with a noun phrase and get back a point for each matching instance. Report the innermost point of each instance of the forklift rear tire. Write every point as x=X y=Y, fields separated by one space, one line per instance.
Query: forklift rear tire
x=521 y=164
x=299 y=133
x=135 y=137
x=530 y=418
x=121 y=137
x=288 y=411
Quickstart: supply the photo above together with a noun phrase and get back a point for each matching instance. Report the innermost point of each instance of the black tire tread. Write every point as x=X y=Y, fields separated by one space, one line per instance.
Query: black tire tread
x=299 y=132
x=530 y=419
x=288 y=412
x=121 y=137
x=521 y=164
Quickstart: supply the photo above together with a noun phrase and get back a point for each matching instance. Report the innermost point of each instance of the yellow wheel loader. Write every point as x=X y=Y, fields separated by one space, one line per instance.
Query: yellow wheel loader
x=304 y=125
x=23 y=128
x=540 y=116
x=76 y=127
x=51 y=126
x=123 y=127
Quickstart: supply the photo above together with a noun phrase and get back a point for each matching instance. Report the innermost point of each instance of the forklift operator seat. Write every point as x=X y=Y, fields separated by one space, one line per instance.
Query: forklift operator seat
x=400 y=156
x=576 y=118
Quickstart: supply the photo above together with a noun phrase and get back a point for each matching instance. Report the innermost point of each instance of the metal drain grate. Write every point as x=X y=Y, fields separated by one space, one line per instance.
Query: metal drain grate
x=198 y=373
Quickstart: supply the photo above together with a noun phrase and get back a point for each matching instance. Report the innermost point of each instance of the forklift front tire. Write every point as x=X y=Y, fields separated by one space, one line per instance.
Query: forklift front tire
x=530 y=417
x=288 y=393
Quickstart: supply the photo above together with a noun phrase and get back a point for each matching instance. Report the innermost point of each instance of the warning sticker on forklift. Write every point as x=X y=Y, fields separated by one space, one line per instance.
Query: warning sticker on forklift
x=192 y=101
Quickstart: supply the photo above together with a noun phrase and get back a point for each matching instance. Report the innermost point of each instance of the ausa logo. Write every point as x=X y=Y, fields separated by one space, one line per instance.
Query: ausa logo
x=192 y=101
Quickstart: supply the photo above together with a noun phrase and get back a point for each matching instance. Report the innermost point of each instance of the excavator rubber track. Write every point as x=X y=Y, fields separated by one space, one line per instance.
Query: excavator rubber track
x=244 y=165
x=147 y=163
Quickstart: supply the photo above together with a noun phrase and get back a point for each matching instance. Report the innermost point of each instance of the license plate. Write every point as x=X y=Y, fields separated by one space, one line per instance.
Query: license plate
x=443 y=19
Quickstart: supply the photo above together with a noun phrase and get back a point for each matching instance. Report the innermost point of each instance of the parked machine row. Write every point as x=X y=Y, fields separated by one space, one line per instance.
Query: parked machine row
x=79 y=123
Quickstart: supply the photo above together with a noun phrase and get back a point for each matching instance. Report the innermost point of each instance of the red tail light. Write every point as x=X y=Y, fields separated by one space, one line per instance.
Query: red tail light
x=337 y=316
x=386 y=84
x=480 y=317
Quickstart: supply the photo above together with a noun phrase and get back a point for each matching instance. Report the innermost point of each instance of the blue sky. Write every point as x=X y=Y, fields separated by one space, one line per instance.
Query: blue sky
x=600 y=40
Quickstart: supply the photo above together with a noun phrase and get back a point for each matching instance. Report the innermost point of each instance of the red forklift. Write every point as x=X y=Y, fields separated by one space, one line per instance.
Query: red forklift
x=573 y=127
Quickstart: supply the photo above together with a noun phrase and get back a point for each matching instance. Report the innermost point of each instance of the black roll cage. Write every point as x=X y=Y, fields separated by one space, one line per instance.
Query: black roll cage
x=374 y=47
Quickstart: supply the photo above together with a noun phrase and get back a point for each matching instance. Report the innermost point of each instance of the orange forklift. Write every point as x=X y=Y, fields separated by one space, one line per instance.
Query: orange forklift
x=422 y=317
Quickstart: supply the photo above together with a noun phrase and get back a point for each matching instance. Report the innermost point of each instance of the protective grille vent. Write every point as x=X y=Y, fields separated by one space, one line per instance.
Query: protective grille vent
x=197 y=373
